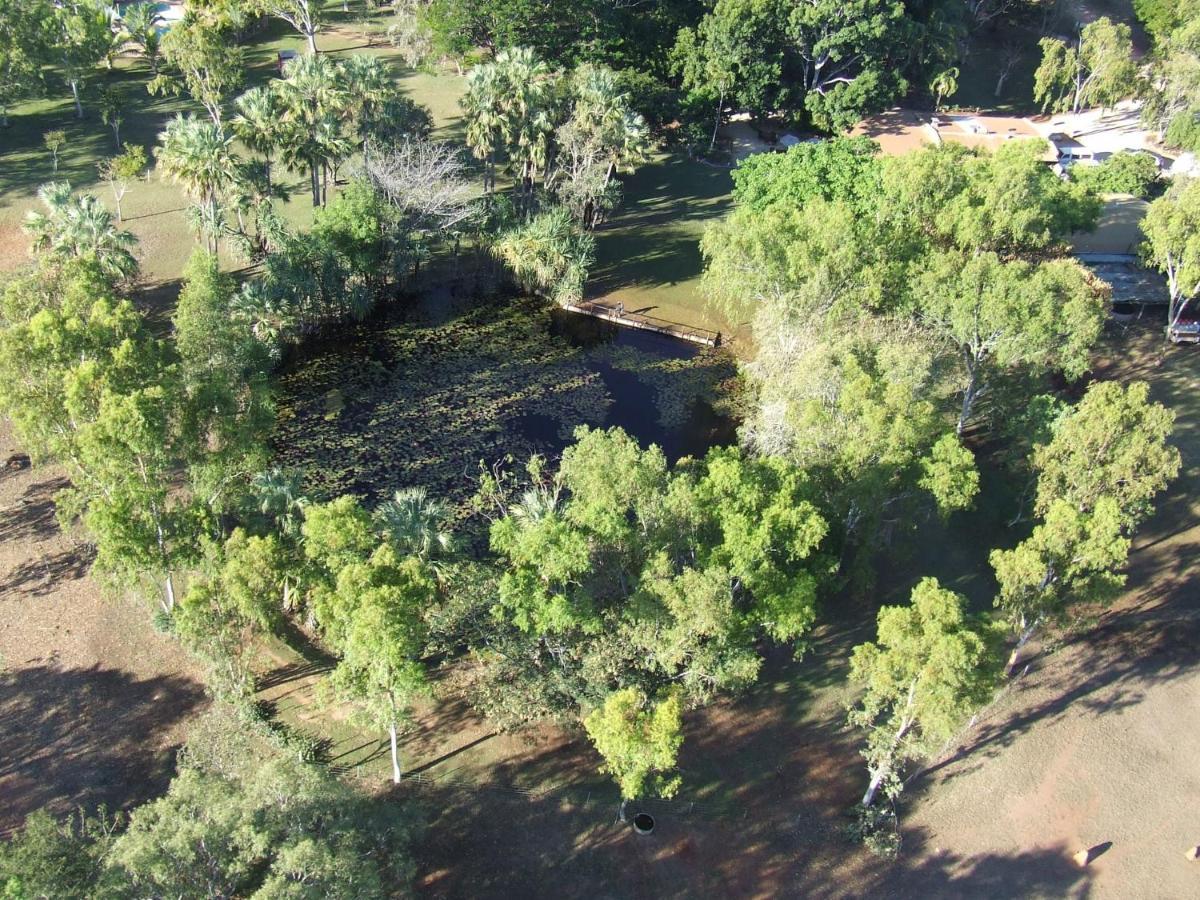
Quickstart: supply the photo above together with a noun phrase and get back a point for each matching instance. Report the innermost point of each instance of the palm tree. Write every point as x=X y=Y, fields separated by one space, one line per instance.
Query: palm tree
x=482 y=104
x=259 y=123
x=139 y=28
x=314 y=98
x=278 y=496
x=525 y=121
x=413 y=522
x=80 y=228
x=199 y=155
x=369 y=89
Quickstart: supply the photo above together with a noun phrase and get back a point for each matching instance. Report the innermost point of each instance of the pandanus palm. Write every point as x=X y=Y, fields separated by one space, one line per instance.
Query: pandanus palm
x=80 y=228
x=199 y=155
x=414 y=523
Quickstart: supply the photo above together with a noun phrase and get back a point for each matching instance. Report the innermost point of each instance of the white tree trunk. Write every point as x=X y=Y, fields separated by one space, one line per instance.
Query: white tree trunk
x=395 y=754
x=75 y=97
x=311 y=34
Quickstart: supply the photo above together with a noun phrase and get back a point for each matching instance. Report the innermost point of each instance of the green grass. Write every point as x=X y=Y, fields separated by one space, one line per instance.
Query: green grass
x=648 y=256
x=154 y=208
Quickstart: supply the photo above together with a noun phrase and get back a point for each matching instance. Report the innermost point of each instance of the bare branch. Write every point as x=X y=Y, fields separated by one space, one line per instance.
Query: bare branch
x=425 y=179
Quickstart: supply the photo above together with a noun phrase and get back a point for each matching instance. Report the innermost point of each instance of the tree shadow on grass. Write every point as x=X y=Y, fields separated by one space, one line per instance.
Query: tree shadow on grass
x=34 y=514
x=82 y=737
x=919 y=874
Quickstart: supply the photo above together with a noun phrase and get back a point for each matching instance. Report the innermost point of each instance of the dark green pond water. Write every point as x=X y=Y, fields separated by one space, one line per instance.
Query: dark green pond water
x=423 y=396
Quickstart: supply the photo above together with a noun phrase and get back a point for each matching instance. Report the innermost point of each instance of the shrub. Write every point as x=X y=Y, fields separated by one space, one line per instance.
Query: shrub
x=1125 y=172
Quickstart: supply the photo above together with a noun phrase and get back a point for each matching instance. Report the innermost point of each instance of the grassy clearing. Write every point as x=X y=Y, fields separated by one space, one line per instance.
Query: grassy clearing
x=648 y=256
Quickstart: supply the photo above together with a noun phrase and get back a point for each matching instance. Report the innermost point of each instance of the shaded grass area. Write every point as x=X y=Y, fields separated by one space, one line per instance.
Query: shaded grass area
x=648 y=256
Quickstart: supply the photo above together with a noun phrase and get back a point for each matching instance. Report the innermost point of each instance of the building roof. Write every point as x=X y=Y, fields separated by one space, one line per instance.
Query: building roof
x=899 y=131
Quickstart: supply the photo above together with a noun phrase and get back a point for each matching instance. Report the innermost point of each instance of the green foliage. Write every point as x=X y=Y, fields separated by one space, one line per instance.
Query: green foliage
x=224 y=371
x=202 y=60
x=548 y=255
x=927 y=670
x=1125 y=172
x=79 y=227
x=245 y=819
x=48 y=858
x=1172 y=229
x=337 y=533
x=639 y=741
x=841 y=169
x=1008 y=201
x=643 y=575
x=1003 y=315
x=1107 y=459
x=82 y=37
x=1098 y=70
x=27 y=34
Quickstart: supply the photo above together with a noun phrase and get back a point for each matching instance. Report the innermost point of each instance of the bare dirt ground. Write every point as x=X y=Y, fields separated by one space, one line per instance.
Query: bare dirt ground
x=93 y=702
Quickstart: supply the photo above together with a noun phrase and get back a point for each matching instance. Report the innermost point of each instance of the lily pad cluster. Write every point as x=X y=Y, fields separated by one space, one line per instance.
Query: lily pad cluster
x=412 y=400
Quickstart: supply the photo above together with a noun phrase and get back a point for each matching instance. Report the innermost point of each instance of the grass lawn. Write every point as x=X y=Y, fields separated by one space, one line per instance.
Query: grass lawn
x=648 y=256
x=154 y=208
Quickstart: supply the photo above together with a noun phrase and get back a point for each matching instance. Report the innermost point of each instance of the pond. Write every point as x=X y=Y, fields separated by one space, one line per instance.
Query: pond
x=423 y=396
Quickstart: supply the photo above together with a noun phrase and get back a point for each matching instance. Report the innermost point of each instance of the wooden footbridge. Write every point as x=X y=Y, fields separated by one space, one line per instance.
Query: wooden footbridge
x=617 y=313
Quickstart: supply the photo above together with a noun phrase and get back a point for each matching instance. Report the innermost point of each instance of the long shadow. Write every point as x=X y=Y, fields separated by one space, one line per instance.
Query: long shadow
x=920 y=874
x=33 y=515
x=46 y=575
x=86 y=736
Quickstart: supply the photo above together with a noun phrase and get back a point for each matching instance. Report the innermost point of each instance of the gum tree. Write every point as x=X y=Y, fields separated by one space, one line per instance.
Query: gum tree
x=1096 y=478
x=927 y=669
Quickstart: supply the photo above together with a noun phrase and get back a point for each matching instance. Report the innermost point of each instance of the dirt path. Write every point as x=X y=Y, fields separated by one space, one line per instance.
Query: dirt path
x=93 y=702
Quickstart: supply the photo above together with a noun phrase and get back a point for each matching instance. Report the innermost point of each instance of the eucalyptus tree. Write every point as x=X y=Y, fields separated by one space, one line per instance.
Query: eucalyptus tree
x=1172 y=230
x=79 y=227
x=199 y=155
x=1096 y=479
x=305 y=16
x=202 y=60
x=27 y=38
x=928 y=669
x=999 y=315
x=381 y=637
x=83 y=36
x=1098 y=69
